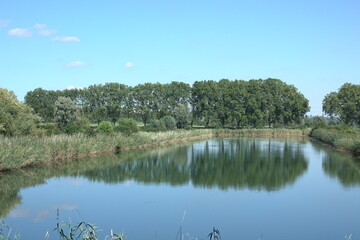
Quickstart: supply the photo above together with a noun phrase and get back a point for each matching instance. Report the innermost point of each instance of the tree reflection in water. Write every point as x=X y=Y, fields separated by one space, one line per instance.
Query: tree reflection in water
x=260 y=164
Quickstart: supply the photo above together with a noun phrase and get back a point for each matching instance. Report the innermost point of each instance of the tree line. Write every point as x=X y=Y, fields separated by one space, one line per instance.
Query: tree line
x=223 y=103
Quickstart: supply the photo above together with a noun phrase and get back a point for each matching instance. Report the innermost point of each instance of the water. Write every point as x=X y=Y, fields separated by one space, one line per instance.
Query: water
x=247 y=188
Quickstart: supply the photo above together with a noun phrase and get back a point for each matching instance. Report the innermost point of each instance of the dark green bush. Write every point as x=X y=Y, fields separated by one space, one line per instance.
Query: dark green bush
x=50 y=128
x=127 y=126
x=169 y=122
x=154 y=125
x=81 y=125
x=105 y=128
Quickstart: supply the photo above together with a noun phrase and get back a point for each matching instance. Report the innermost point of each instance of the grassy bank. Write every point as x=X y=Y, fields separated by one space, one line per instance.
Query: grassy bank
x=21 y=152
x=341 y=137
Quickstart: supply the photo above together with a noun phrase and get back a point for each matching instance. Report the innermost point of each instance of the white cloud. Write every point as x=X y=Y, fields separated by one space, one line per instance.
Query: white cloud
x=75 y=64
x=4 y=23
x=43 y=30
x=129 y=64
x=66 y=39
x=20 y=32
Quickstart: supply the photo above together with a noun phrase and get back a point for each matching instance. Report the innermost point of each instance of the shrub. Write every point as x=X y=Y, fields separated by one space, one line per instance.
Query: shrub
x=127 y=126
x=105 y=127
x=154 y=125
x=50 y=128
x=79 y=126
x=169 y=122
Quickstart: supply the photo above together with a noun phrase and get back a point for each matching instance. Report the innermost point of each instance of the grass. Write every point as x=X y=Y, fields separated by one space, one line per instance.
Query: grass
x=341 y=137
x=19 y=152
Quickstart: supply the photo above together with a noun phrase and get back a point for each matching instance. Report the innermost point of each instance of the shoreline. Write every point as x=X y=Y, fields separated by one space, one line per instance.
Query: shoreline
x=27 y=152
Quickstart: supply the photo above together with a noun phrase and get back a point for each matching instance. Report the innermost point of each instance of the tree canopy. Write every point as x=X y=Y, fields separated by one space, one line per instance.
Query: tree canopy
x=16 y=118
x=344 y=103
x=223 y=103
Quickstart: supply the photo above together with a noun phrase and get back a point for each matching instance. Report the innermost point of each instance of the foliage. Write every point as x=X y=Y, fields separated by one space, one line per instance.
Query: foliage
x=169 y=122
x=127 y=126
x=154 y=125
x=339 y=136
x=345 y=103
x=65 y=112
x=224 y=103
x=181 y=115
x=105 y=128
x=81 y=125
x=16 y=118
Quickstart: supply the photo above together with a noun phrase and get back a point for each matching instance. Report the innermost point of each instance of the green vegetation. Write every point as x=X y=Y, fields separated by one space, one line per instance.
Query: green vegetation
x=29 y=150
x=345 y=104
x=340 y=136
x=235 y=104
x=341 y=130
x=105 y=128
x=16 y=118
x=127 y=126
x=65 y=112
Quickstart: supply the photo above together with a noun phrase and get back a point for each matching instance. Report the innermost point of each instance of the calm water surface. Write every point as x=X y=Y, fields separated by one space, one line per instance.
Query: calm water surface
x=245 y=187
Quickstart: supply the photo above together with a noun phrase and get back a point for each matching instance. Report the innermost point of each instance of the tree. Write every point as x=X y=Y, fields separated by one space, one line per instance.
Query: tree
x=345 y=103
x=16 y=118
x=42 y=101
x=65 y=112
x=181 y=115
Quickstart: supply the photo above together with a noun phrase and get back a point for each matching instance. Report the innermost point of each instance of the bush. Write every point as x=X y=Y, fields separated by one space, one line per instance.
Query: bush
x=154 y=125
x=105 y=128
x=79 y=126
x=127 y=126
x=50 y=128
x=169 y=122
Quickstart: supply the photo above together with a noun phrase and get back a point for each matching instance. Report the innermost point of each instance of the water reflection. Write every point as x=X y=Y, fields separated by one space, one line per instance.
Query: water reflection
x=236 y=163
x=341 y=166
x=224 y=163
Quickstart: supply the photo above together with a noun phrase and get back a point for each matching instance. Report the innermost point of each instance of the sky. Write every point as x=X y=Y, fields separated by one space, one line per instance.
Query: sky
x=313 y=45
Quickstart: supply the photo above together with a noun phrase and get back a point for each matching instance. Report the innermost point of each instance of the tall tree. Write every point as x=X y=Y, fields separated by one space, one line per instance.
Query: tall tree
x=345 y=103
x=42 y=101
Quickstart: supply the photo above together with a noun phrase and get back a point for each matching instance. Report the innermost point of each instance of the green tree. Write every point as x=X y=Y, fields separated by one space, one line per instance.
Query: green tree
x=99 y=114
x=345 y=103
x=16 y=118
x=203 y=100
x=181 y=115
x=65 y=112
x=43 y=102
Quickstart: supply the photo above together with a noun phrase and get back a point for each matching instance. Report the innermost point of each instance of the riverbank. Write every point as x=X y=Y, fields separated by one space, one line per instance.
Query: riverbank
x=20 y=152
x=342 y=138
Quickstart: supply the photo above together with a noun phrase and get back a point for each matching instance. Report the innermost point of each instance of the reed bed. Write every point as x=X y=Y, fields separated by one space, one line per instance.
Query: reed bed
x=19 y=152
x=341 y=137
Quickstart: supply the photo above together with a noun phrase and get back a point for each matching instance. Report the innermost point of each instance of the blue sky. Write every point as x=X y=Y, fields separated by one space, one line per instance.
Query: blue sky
x=314 y=45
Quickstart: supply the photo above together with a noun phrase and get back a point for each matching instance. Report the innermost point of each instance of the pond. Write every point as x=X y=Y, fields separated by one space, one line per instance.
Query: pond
x=248 y=188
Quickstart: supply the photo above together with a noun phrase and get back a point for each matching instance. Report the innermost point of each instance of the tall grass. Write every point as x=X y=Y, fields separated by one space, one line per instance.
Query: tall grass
x=341 y=137
x=18 y=152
